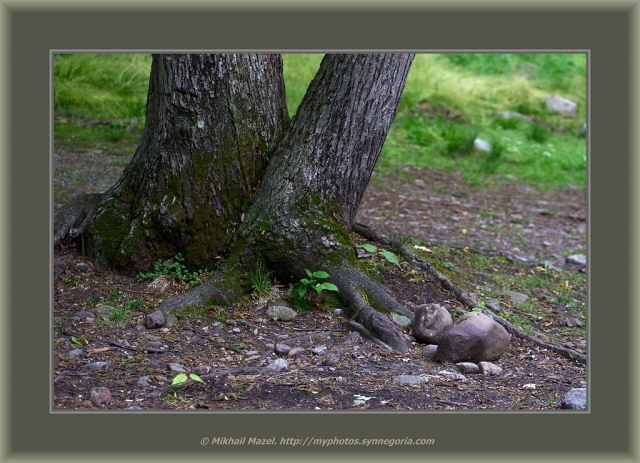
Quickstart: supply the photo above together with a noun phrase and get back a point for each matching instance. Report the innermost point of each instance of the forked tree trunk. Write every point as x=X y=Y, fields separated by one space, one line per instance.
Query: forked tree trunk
x=212 y=122
x=303 y=212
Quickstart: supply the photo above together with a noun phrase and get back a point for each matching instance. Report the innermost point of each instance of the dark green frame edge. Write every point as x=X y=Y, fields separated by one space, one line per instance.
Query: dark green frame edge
x=606 y=33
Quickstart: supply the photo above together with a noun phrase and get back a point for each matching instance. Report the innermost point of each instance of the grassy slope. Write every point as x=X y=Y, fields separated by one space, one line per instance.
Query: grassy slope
x=449 y=100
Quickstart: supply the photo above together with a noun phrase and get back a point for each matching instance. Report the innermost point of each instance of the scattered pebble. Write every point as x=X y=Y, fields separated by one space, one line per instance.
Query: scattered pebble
x=278 y=365
x=177 y=368
x=103 y=311
x=153 y=344
x=95 y=366
x=482 y=145
x=154 y=320
x=489 y=369
x=85 y=316
x=577 y=259
x=74 y=353
x=202 y=370
x=321 y=350
x=467 y=367
x=100 y=395
x=147 y=381
x=409 y=379
x=575 y=399
x=453 y=375
x=281 y=313
x=295 y=351
x=282 y=349
x=517 y=298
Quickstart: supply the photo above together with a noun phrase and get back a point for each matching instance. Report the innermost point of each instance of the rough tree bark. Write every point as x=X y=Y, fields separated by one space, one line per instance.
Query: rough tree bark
x=212 y=122
x=303 y=211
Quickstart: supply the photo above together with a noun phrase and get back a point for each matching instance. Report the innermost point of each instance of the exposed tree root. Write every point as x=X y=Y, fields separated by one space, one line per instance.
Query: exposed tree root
x=357 y=327
x=221 y=288
x=354 y=287
x=71 y=220
x=465 y=297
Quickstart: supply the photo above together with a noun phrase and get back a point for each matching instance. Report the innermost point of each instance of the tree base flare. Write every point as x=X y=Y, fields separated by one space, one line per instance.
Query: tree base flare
x=71 y=220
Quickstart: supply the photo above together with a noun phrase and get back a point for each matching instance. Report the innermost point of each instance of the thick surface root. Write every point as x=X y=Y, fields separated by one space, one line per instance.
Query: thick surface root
x=217 y=290
x=71 y=220
x=364 y=296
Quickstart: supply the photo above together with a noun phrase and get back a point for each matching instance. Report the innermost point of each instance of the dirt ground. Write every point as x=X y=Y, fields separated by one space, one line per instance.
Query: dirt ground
x=228 y=347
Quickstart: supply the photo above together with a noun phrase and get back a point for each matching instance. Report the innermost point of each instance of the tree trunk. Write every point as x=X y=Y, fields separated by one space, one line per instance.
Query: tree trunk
x=212 y=122
x=309 y=197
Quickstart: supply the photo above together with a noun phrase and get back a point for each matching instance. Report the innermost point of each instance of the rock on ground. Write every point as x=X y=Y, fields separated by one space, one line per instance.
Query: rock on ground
x=281 y=313
x=489 y=369
x=474 y=338
x=154 y=320
x=575 y=399
x=431 y=323
x=561 y=105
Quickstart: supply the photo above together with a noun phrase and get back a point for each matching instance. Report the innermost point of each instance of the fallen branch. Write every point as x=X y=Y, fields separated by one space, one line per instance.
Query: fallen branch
x=464 y=297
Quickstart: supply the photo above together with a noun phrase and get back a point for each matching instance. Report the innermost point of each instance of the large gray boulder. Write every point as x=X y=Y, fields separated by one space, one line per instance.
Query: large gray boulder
x=431 y=323
x=475 y=337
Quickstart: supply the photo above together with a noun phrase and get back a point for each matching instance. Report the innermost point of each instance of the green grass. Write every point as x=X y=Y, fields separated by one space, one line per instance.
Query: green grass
x=101 y=86
x=299 y=70
x=448 y=101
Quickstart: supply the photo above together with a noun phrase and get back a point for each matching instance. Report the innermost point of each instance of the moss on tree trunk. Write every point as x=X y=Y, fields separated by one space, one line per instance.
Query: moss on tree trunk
x=199 y=182
x=212 y=123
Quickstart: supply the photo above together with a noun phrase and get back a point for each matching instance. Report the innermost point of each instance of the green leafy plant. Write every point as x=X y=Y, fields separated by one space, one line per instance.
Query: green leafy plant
x=176 y=269
x=299 y=290
x=182 y=378
x=76 y=341
x=391 y=257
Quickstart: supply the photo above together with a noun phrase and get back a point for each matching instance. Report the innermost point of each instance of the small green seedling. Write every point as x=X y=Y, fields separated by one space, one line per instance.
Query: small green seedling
x=182 y=378
x=299 y=290
x=477 y=309
x=391 y=257
x=76 y=341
